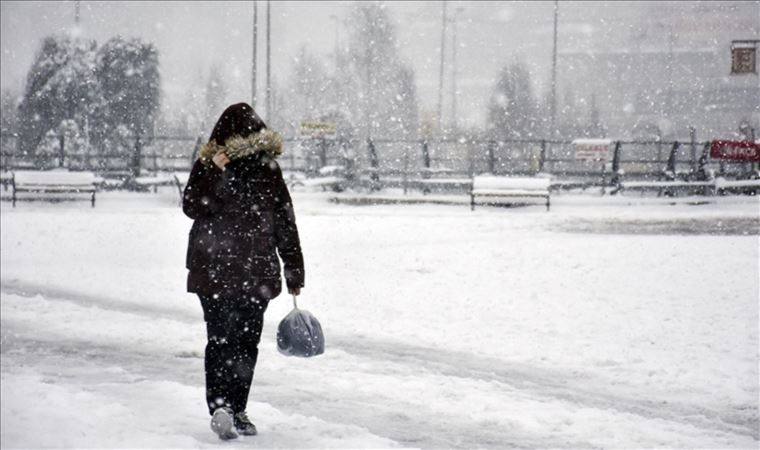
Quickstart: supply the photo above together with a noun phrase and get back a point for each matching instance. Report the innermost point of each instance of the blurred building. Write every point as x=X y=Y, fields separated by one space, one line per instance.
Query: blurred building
x=661 y=68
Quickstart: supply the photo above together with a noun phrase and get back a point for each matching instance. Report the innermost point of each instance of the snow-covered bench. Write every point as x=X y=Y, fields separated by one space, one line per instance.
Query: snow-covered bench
x=329 y=177
x=177 y=179
x=158 y=179
x=722 y=185
x=435 y=179
x=492 y=187
x=54 y=185
x=440 y=184
x=664 y=185
x=333 y=183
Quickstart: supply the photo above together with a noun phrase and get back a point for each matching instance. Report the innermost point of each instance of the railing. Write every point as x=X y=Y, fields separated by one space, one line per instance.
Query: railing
x=384 y=158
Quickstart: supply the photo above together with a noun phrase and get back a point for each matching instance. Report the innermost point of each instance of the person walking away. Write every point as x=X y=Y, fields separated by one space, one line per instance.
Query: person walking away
x=243 y=218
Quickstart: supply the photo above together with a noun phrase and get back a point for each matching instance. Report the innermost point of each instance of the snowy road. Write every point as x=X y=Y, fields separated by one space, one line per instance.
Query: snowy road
x=104 y=366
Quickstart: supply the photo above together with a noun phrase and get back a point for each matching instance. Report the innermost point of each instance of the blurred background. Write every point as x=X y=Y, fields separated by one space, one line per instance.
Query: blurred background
x=105 y=72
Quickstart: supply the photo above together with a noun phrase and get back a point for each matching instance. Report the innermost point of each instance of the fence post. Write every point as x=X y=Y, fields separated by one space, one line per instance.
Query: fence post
x=753 y=139
x=702 y=164
x=155 y=161
x=322 y=152
x=470 y=162
x=87 y=161
x=374 y=165
x=671 y=167
x=425 y=165
x=425 y=155
x=405 y=177
x=61 y=150
x=693 y=143
x=490 y=157
x=615 y=179
x=659 y=150
x=137 y=158
x=542 y=156
x=349 y=162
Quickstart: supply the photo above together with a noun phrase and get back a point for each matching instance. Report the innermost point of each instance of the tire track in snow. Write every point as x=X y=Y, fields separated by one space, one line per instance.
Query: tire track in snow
x=582 y=389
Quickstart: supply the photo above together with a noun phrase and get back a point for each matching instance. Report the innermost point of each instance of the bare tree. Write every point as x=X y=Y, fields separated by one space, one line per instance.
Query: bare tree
x=512 y=110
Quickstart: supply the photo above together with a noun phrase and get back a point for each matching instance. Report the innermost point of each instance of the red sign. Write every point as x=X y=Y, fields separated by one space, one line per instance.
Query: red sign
x=735 y=150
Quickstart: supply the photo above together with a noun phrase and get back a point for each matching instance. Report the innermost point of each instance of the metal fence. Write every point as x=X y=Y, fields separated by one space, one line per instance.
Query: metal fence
x=636 y=159
x=387 y=159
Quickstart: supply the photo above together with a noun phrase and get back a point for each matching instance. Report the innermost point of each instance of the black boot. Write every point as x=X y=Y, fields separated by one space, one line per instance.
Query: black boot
x=244 y=426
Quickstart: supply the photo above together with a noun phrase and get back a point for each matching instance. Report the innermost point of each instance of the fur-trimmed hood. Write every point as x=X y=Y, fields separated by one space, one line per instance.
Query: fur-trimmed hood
x=236 y=147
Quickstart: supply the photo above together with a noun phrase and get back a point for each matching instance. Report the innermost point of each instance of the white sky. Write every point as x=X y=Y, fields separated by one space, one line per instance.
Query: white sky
x=191 y=36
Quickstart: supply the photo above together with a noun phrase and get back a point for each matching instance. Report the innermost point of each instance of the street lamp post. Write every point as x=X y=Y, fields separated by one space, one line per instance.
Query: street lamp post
x=253 y=61
x=440 y=75
x=269 y=61
x=554 y=73
x=335 y=18
x=454 y=68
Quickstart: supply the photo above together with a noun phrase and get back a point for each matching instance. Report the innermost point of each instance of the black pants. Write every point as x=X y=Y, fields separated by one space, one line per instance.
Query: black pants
x=233 y=328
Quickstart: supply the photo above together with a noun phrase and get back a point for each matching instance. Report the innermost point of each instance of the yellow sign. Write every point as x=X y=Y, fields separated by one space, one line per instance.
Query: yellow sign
x=318 y=130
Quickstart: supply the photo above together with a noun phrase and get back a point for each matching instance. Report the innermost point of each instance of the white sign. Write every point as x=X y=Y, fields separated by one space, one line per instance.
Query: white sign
x=592 y=149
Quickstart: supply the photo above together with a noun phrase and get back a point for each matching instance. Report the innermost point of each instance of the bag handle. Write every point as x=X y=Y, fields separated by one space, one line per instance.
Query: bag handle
x=295 y=304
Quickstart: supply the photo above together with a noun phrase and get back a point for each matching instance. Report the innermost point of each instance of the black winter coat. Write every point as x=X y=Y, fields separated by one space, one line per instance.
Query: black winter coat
x=243 y=218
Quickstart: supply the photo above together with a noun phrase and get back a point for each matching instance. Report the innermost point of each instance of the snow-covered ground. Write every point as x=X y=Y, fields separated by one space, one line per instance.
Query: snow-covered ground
x=607 y=322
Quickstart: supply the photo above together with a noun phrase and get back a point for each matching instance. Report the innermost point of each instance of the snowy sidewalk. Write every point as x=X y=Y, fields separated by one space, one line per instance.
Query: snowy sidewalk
x=112 y=389
x=445 y=329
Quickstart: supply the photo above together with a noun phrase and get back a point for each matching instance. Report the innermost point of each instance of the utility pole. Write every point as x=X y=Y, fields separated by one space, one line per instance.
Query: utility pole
x=671 y=61
x=253 y=61
x=454 y=69
x=369 y=63
x=440 y=75
x=337 y=48
x=367 y=92
x=554 y=74
x=269 y=61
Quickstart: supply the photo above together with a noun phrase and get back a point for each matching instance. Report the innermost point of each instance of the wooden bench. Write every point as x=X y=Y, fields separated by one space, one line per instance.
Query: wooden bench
x=54 y=185
x=509 y=187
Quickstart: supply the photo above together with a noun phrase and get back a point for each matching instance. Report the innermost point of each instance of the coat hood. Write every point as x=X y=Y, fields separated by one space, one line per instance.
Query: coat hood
x=266 y=141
